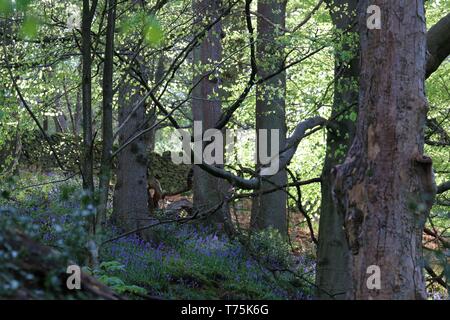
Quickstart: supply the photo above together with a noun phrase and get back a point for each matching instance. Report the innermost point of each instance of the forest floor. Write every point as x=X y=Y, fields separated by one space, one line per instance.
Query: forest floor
x=182 y=262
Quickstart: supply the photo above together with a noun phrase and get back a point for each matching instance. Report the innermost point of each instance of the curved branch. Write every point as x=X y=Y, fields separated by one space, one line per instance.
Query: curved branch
x=285 y=156
x=438 y=44
x=443 y=187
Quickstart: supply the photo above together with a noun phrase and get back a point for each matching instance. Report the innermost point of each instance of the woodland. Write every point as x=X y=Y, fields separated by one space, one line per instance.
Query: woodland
x=225 y=149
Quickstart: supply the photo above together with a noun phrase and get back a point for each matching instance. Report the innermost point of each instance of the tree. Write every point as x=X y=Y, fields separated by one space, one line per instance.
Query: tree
x=86 y=85
x=130 y=203
x=269 y=210
x=107 y=114
x=438 y=44
x=209 y=192
x=332 y=275
x=385 y=187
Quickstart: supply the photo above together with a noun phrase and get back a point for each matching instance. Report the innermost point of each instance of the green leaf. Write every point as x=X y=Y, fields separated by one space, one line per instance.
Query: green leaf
x=111 y=281
x=22 y=5
x=132 y=289
x=30 y=27
x=153 y=32
x=112 y=266
x=6 y=6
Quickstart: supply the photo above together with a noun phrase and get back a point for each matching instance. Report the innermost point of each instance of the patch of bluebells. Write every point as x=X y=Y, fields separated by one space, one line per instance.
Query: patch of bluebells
x=47 y=210
x=176 y=264
x=191 y=255
x=193 y=250
x=54 y=217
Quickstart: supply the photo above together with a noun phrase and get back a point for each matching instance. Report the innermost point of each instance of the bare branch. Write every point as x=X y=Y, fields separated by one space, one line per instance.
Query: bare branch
x=444 y=187
x=438 y=44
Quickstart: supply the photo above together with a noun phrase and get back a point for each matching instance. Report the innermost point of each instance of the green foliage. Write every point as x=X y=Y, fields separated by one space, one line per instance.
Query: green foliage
x=43 y=215
x=48 y=70
x=196 y=264
x=185 y=262
x=27 y=270
x=22 y=5
x=106 y=273
x=29 y=27
x=6 y=7
x=153 y=31
x=148 y=25
x=271 y=249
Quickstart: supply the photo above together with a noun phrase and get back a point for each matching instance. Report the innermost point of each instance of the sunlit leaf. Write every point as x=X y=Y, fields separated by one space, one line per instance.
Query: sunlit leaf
x=153 y=31
x=29 y=27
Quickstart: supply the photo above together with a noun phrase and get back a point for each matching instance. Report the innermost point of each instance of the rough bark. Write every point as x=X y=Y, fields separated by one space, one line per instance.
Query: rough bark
x=385 y=187
x=209 y=191
x=269 y=210
x=130 y=204
x=332 y=274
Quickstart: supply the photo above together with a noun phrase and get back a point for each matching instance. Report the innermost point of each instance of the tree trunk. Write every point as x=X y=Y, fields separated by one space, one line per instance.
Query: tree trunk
x=78 y=114
x=130 y=204
x=86 y=87
x=385 y=187
x=209 y=191
x=332 y=274
x=107 y=116
x=45 y=124
x=60 y=119
x=269 y=210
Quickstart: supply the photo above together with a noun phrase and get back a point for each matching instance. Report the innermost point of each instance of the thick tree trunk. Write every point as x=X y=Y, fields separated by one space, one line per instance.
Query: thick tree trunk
x=209 y=191
x=332 y=274
x=385 y=188
x=130 y=204
x=269 y=210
